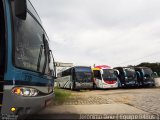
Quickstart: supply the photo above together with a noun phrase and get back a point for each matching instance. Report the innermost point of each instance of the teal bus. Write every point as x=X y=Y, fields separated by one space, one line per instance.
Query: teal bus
x=26 y=62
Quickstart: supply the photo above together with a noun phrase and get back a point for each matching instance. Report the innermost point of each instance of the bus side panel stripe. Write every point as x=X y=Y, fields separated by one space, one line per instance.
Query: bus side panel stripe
x=66 y=83
x=18 y=82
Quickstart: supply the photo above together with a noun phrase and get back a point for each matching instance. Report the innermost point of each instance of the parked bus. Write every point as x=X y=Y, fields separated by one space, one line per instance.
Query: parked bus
x=75 y=78
x=104 y=77
x=127 y=76
x=26 y=61
x=145 y=76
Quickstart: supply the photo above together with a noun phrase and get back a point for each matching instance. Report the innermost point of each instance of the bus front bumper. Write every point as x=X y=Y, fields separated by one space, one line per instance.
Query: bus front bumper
x=149 y=83
x=84 y=85
x=132 y=84
x=24 y=105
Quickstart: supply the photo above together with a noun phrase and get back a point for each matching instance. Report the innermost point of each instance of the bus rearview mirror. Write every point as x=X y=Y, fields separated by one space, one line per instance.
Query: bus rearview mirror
x=21 y=9
x=102 y=72
x=116 y=72
x=155 y=75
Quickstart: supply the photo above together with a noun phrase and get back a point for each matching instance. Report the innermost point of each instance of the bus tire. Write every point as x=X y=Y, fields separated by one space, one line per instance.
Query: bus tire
x=59 y=85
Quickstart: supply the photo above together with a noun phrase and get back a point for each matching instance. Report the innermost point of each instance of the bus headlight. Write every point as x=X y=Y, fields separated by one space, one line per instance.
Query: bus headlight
x=27 y=92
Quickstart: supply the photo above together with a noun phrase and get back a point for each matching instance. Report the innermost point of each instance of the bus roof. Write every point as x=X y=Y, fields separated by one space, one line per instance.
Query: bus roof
x=103 y=67
x=82 y=66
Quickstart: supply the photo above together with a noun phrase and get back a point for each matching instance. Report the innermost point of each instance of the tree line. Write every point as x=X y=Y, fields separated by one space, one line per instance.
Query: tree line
x=154 y=66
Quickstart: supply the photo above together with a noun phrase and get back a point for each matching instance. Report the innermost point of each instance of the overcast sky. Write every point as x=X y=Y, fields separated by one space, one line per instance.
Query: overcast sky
x=111 y=32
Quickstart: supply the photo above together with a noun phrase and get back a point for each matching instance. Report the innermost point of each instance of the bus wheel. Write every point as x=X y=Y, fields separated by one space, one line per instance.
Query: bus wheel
x=59 y=85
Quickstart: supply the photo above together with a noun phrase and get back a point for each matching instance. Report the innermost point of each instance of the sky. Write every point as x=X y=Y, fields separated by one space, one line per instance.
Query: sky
x=102 y=32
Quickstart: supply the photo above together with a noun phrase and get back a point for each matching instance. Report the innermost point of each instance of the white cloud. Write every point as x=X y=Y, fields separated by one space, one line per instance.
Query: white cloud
x=113 y=32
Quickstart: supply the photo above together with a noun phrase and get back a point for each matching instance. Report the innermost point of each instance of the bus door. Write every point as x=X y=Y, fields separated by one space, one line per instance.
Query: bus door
x=97 y=78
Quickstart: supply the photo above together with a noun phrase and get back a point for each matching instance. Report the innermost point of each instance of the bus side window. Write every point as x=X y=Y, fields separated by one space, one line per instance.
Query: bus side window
x=97 y=74
x=66 y=73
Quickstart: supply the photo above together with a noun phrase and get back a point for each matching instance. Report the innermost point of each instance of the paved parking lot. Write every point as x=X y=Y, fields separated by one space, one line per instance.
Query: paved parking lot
x=146 y=99
x=111 y=101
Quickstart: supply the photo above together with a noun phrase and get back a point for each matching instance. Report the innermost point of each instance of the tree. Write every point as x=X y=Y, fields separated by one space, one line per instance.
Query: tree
x=154 y=66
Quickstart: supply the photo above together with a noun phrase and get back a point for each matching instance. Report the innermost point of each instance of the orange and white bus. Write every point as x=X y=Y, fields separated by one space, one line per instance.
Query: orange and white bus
x=104 y=77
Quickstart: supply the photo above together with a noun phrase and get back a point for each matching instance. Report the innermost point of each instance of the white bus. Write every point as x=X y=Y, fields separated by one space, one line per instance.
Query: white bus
x=77 y=77
x=104 y=77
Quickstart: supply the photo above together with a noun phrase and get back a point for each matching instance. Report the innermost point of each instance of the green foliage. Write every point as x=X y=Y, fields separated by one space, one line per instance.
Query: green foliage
x=154 y=66
x=61 y=96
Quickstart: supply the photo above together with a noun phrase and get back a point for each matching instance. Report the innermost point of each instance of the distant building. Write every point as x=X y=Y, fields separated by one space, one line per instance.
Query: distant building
x=61 y=66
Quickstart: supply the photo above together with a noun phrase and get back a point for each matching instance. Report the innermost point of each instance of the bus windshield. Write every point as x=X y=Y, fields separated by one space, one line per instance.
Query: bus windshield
x=130 y=73
x=147 y=72
x=83 y=74
x=108 y=74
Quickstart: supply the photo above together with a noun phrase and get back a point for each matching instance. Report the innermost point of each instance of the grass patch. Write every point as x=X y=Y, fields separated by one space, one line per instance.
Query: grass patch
x=85 y=90
x=61 y=96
